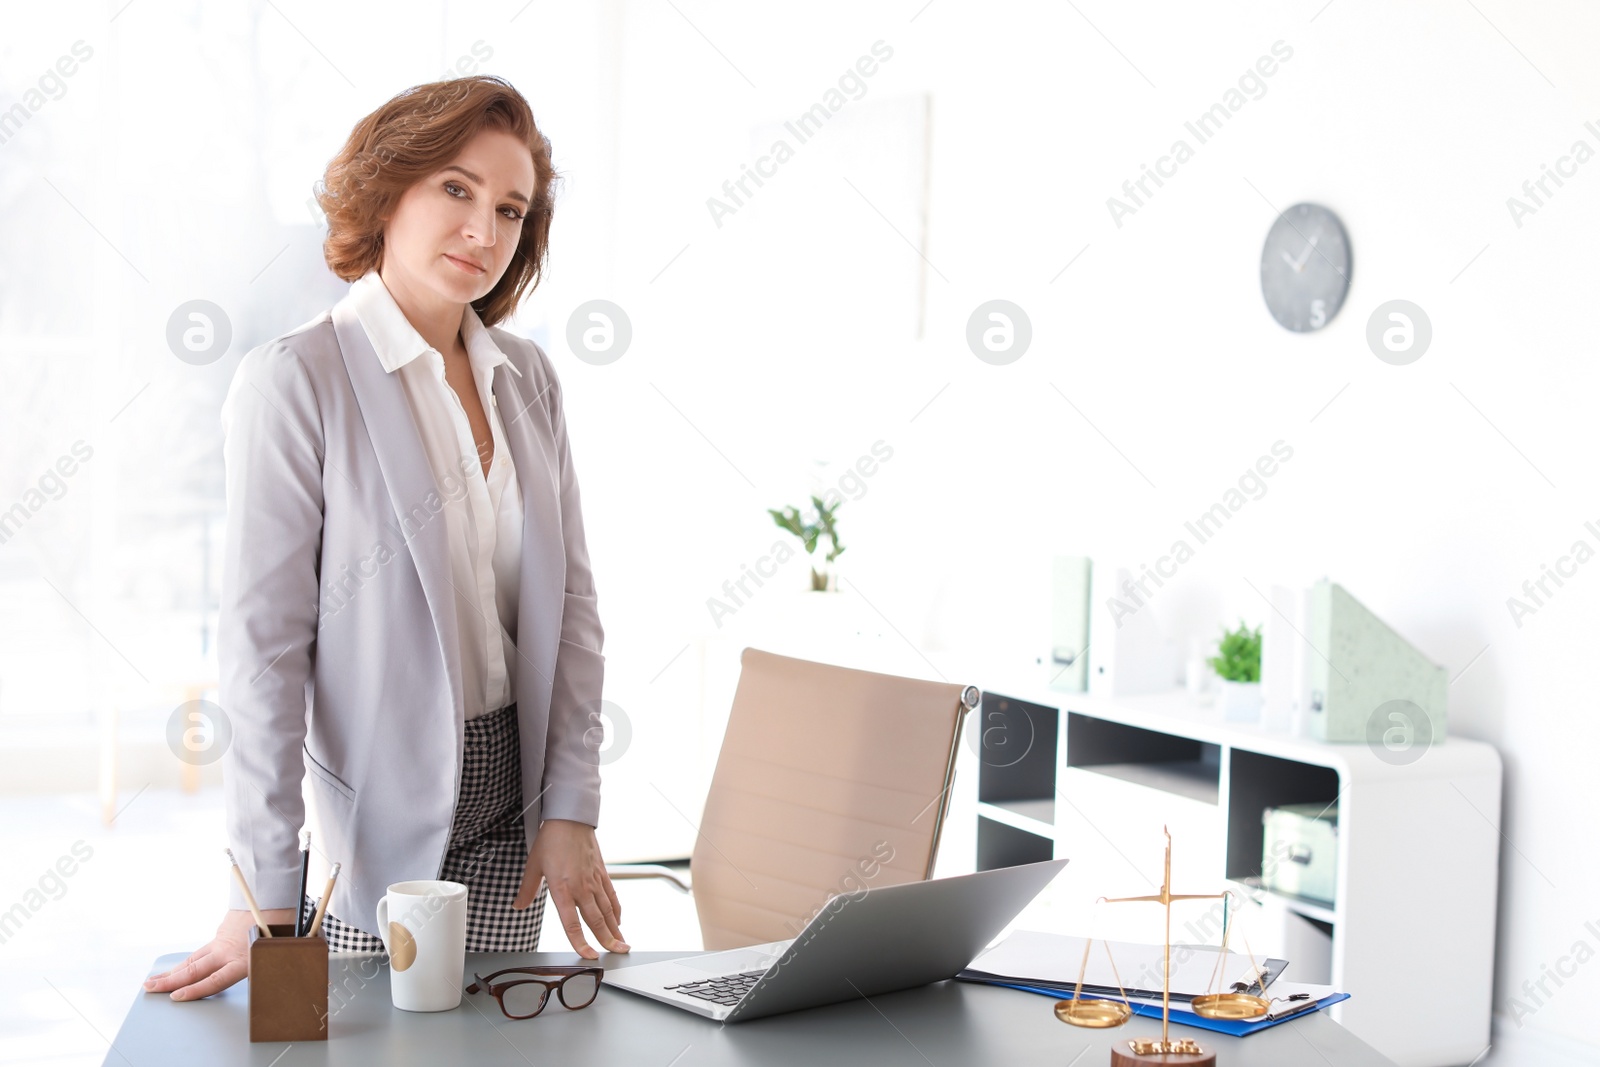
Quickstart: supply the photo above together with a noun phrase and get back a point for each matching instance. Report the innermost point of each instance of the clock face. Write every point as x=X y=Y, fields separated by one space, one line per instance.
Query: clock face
x=1305 y=268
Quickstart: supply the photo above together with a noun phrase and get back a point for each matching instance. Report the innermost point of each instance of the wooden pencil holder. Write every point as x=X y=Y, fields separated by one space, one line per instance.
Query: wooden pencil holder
x=288 y=986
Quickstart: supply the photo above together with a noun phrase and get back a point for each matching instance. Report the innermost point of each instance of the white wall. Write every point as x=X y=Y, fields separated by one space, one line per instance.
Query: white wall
x=1431 y=491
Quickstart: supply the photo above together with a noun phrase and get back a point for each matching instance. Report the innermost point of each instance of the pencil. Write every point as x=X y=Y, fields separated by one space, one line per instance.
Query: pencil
x=322 y=905
x=305 y=872
x=249 y=897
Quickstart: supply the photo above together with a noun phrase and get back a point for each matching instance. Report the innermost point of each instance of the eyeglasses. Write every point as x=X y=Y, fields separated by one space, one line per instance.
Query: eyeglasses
x=524 y=997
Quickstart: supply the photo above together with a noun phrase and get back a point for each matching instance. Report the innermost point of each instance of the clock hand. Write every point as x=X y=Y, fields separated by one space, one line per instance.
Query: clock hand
x=1310 y=247
x=1292 y=264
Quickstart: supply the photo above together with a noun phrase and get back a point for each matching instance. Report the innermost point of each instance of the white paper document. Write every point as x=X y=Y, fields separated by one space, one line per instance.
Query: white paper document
x=1032 y=956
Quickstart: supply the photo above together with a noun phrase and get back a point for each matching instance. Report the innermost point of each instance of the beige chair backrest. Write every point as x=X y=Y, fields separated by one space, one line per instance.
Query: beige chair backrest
x=830 y=780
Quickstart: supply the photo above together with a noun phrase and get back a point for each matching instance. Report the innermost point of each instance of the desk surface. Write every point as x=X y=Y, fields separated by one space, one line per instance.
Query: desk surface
x=944 y=1023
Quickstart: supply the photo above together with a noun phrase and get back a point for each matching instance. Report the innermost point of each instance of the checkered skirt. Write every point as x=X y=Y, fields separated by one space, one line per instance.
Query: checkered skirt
x=487 y=851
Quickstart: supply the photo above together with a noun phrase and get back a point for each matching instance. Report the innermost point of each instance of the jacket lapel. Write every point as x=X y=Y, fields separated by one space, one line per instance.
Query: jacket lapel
x=398 y=443
x=540 y=599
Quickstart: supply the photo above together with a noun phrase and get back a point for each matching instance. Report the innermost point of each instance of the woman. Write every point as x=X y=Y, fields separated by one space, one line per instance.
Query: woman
x=408 y=612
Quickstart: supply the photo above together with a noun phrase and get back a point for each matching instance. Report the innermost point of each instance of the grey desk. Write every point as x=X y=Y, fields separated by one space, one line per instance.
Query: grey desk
x=954 y=1023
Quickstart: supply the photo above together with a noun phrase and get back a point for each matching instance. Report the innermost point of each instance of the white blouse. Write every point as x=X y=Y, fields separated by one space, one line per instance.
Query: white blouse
x=483 y=517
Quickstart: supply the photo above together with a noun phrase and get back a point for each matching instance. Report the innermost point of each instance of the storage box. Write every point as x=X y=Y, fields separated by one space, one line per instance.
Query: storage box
x=1300 y=850
x=1373 y=685
x=288 y=986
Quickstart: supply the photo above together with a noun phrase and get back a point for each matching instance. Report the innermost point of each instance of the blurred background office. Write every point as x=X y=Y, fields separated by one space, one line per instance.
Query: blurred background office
x=739 y=327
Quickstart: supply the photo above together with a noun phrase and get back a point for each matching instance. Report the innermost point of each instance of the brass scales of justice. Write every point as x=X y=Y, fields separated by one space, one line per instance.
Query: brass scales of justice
x=1103 y=1014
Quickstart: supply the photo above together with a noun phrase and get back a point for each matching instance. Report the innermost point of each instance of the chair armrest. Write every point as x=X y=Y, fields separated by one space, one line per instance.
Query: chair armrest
x=647 y=870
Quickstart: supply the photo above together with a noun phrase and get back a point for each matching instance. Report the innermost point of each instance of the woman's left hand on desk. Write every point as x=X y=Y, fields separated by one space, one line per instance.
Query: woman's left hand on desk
x=567 y=856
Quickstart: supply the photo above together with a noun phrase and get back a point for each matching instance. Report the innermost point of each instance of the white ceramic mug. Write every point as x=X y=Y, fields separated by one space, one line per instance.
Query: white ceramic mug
x=423 y=925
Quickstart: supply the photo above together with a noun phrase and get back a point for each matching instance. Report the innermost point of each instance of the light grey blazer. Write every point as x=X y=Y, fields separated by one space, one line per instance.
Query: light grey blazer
x=337 y=646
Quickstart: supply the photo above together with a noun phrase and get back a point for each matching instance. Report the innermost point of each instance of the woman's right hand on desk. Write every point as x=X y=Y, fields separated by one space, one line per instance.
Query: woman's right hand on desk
x=220 y=962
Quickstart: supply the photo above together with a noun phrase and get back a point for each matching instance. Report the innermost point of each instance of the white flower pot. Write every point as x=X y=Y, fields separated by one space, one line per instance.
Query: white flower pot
x=1239 y=701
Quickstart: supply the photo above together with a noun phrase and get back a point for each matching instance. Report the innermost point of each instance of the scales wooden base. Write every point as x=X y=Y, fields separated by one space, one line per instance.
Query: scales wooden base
x=1183 y=1051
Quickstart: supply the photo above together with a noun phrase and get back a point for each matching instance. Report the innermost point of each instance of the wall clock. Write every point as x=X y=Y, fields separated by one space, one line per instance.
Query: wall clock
x=1305 y=268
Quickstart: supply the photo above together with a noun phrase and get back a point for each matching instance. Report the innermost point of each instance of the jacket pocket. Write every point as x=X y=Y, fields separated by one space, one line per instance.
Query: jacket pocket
x=580 y=622
x=333 y=781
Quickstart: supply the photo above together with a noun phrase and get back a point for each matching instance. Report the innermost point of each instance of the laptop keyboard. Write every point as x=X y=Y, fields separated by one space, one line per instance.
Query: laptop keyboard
x=726 y=989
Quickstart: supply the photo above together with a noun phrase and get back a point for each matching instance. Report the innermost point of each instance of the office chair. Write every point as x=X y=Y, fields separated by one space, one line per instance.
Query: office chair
x=829 y=780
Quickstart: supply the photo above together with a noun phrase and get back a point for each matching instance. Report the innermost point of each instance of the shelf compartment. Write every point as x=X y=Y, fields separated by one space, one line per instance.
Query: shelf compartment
x=1002 y=845
x=1016 y=744
x=1183 y=766
x=1257 y=782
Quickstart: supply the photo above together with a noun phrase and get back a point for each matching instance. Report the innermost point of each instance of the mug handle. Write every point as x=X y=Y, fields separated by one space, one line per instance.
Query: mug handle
x=383 y=921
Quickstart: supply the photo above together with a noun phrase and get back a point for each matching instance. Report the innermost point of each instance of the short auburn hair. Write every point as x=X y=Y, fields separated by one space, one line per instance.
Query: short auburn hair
x=415 y=134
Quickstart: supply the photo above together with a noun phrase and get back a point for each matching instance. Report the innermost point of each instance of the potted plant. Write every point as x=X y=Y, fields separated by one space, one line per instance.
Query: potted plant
x=810 y=533
x=1238 y=665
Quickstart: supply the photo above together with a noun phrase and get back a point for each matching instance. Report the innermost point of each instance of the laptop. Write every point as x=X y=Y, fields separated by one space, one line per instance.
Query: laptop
x=860 y=944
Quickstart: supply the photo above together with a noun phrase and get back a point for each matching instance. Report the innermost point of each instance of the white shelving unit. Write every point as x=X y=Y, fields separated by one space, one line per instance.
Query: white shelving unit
x=1411 y=932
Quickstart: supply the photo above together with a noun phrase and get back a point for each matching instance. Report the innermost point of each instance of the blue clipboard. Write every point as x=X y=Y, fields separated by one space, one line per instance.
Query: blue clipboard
x=1235 y=1027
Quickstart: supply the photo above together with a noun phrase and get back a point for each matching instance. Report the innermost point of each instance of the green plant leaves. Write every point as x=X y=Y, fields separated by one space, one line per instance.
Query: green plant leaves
x=790 y=519
x=1238 y=657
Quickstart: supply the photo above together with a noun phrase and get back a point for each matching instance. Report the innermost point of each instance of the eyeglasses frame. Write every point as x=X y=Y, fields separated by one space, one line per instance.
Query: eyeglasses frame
x=566 y=971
